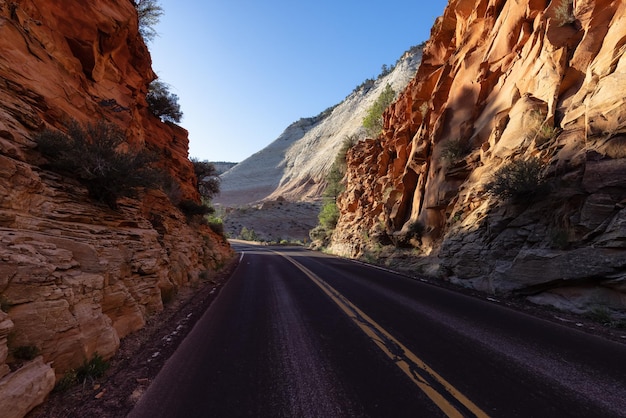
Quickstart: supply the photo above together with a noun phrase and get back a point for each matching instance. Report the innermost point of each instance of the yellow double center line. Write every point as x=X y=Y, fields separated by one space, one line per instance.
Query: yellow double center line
x=452 y=402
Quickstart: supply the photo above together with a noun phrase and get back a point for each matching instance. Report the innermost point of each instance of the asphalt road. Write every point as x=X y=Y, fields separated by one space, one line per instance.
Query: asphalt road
x=296 y=333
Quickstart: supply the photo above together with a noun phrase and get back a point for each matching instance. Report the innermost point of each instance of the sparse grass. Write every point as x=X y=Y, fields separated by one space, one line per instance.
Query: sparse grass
x=602 y=315
x=89 y=370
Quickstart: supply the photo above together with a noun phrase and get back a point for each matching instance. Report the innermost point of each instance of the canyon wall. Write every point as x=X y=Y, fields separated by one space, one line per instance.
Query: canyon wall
x=502 y=82
x=75 y=275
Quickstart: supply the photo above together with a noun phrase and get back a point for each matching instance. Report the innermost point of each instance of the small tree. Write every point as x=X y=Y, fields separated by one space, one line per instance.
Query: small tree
x=208 y=179
x=149 y=12
x=373 y=121
x=162 y=103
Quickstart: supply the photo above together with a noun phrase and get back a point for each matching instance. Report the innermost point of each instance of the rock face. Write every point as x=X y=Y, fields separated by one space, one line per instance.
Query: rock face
x=76 y=276
x=501 y=82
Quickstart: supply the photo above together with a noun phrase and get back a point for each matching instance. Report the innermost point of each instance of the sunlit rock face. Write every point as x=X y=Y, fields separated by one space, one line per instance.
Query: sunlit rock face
x=505 y=81
x=75 y=275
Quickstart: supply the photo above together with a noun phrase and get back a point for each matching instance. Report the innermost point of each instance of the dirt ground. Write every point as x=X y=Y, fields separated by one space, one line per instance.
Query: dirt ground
x=273 y=221
x=139 y=359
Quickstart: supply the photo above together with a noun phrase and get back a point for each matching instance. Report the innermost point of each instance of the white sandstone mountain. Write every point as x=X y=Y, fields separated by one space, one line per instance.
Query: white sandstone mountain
x=294 y=166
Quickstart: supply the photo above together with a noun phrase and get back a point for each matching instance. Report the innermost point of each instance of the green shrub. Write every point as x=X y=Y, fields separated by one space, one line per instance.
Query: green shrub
x=329 y=215
x=373 y=121
x=517 y=180
x=319 y=233
x=162 y=103
x=92 y=154
x=248 y=234
x=216 y=225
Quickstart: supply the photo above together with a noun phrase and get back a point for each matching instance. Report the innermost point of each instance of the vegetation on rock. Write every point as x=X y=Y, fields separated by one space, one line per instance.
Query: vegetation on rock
x=162 y=103
x=149 y=12
x=94 y=155
x=517 y=179
x=373 y=121
x=329 y=214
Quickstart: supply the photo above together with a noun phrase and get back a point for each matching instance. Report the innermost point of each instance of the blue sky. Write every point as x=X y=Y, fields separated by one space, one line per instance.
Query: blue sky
x=244 y=70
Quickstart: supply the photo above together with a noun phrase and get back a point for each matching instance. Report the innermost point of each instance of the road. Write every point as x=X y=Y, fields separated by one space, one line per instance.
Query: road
x=296 y=333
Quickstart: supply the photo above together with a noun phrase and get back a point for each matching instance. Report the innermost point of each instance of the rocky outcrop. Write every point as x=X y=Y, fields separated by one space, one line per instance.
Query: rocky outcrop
x=75 y=275
x=501 y=82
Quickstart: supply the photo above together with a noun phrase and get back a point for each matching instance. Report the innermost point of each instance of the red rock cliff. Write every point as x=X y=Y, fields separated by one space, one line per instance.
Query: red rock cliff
x=76 y=276
x=505 y=81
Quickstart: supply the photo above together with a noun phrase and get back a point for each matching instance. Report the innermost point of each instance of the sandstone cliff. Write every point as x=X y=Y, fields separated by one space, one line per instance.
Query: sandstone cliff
x=76 y=276
x=504 y=81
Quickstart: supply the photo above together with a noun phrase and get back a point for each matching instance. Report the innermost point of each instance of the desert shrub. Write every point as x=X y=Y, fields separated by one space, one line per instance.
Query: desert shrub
x=373 y=120
x=453 y=150
x=192 y=209
x=5 y=304
x=25 y=352
x=92 y=369
x=92 y=154
x=329 y=215
x=89 y=370
x=208 y=178
x=162 y=103
x=517 y=180
x=68 y=380
x=217 y=226
x=319 y=233
x=248 y=234
x=149 y=13
x=564 y=12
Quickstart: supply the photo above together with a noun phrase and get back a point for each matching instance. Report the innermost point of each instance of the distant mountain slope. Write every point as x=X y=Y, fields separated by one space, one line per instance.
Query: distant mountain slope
x=294 y=166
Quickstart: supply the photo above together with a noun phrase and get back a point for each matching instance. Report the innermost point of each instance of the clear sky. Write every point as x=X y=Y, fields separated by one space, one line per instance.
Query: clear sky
x=244 y=70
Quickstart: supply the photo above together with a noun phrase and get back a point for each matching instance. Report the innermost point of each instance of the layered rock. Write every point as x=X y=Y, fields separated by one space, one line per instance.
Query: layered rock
x=75 y=275
x=504 y=81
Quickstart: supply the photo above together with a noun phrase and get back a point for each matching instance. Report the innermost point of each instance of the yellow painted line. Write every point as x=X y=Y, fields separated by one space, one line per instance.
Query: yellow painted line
x=374 y=332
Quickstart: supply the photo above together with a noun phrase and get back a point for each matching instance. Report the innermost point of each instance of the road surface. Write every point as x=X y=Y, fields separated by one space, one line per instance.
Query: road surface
x=296 y=333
